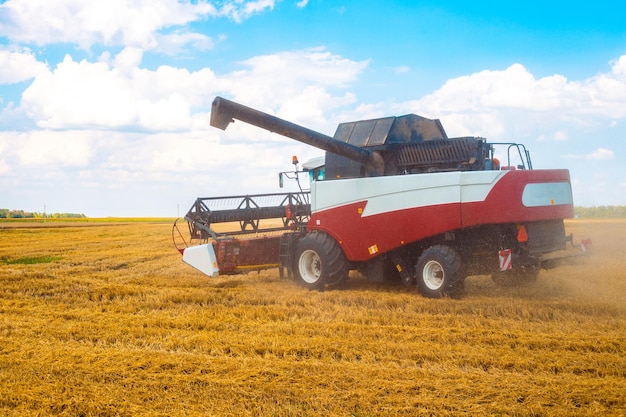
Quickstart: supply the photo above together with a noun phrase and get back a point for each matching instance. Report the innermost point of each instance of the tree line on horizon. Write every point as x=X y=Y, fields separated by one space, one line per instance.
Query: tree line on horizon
x=21 y=214
x=600 y=212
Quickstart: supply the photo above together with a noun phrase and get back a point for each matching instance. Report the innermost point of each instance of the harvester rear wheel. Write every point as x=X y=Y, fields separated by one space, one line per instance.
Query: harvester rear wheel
x=439 y=272
x=319 y=261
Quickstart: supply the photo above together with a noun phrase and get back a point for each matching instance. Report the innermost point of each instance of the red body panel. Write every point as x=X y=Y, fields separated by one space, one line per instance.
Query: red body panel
x=363 y=237
x=256 y=253
x=504 y=202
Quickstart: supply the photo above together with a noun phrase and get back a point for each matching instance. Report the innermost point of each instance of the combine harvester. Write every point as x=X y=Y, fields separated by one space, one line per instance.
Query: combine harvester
x=395 y=199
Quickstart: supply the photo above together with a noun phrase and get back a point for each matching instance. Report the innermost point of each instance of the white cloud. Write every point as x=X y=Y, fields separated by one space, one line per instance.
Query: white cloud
x=113 y=172
x=513 y=101
x=164 y=114
x=47 y=150
x=311 y=105
x=4 y=167
x=315 y=65
x=239 y=10
x=85 y=94
x=80 y=94
x=128 y=60
x=600 y=154
x=88 y=101
x=618 y=68
x=115 y=93
x=302 y=3
x=514 y=87
x=176 y=42
x=145 y=24
x=16 y=66
x=113 y=22
x=271 y=80
x=557 y=136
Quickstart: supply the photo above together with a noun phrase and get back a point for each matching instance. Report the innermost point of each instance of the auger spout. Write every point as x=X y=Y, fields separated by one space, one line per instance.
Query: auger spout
x=224 y=112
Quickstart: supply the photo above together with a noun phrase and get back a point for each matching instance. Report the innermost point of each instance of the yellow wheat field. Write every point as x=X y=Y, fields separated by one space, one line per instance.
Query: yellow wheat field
x=106 y=320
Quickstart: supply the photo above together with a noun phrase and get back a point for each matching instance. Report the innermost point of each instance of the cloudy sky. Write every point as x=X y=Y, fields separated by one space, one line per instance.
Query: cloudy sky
x=105 y=104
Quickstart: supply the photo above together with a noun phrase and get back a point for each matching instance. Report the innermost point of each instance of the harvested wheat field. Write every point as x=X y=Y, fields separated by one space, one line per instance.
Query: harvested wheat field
x=106 y=320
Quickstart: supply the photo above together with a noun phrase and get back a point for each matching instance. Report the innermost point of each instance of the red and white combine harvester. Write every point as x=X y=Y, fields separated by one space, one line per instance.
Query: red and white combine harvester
x=395 y=199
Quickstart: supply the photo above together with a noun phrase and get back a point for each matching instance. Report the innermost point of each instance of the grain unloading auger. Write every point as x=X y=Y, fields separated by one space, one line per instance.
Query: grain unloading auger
x=394 y=198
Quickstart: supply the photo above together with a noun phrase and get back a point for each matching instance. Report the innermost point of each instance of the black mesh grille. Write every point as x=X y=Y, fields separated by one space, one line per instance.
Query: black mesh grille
x=444 y=152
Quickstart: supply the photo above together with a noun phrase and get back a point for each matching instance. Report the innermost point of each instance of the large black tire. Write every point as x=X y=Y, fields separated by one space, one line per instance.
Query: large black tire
x=439 y=272
x=319 y=261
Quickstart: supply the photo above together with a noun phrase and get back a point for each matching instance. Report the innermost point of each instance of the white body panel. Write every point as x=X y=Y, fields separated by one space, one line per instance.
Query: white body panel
x=202 y=257
x=398 y=192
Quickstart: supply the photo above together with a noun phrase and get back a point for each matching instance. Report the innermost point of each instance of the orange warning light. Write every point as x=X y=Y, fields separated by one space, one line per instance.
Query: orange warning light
x=522 y=235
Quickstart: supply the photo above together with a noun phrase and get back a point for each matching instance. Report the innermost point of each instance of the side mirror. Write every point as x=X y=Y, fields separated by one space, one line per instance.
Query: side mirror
x=280 y=180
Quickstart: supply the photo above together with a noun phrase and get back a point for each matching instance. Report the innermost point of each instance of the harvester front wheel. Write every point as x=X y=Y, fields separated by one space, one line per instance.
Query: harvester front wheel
x=320 y=261
x=439 y=272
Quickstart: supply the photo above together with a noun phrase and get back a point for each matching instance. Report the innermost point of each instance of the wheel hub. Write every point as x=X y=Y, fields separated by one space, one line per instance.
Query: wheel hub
x=310 y=266
x=433 y=275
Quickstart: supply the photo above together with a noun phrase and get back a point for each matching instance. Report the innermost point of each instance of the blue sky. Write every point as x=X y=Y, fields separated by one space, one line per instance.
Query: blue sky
x=104 y=105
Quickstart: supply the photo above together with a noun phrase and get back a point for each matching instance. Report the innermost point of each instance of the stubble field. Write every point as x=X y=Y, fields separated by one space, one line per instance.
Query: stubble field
x=106 y=320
